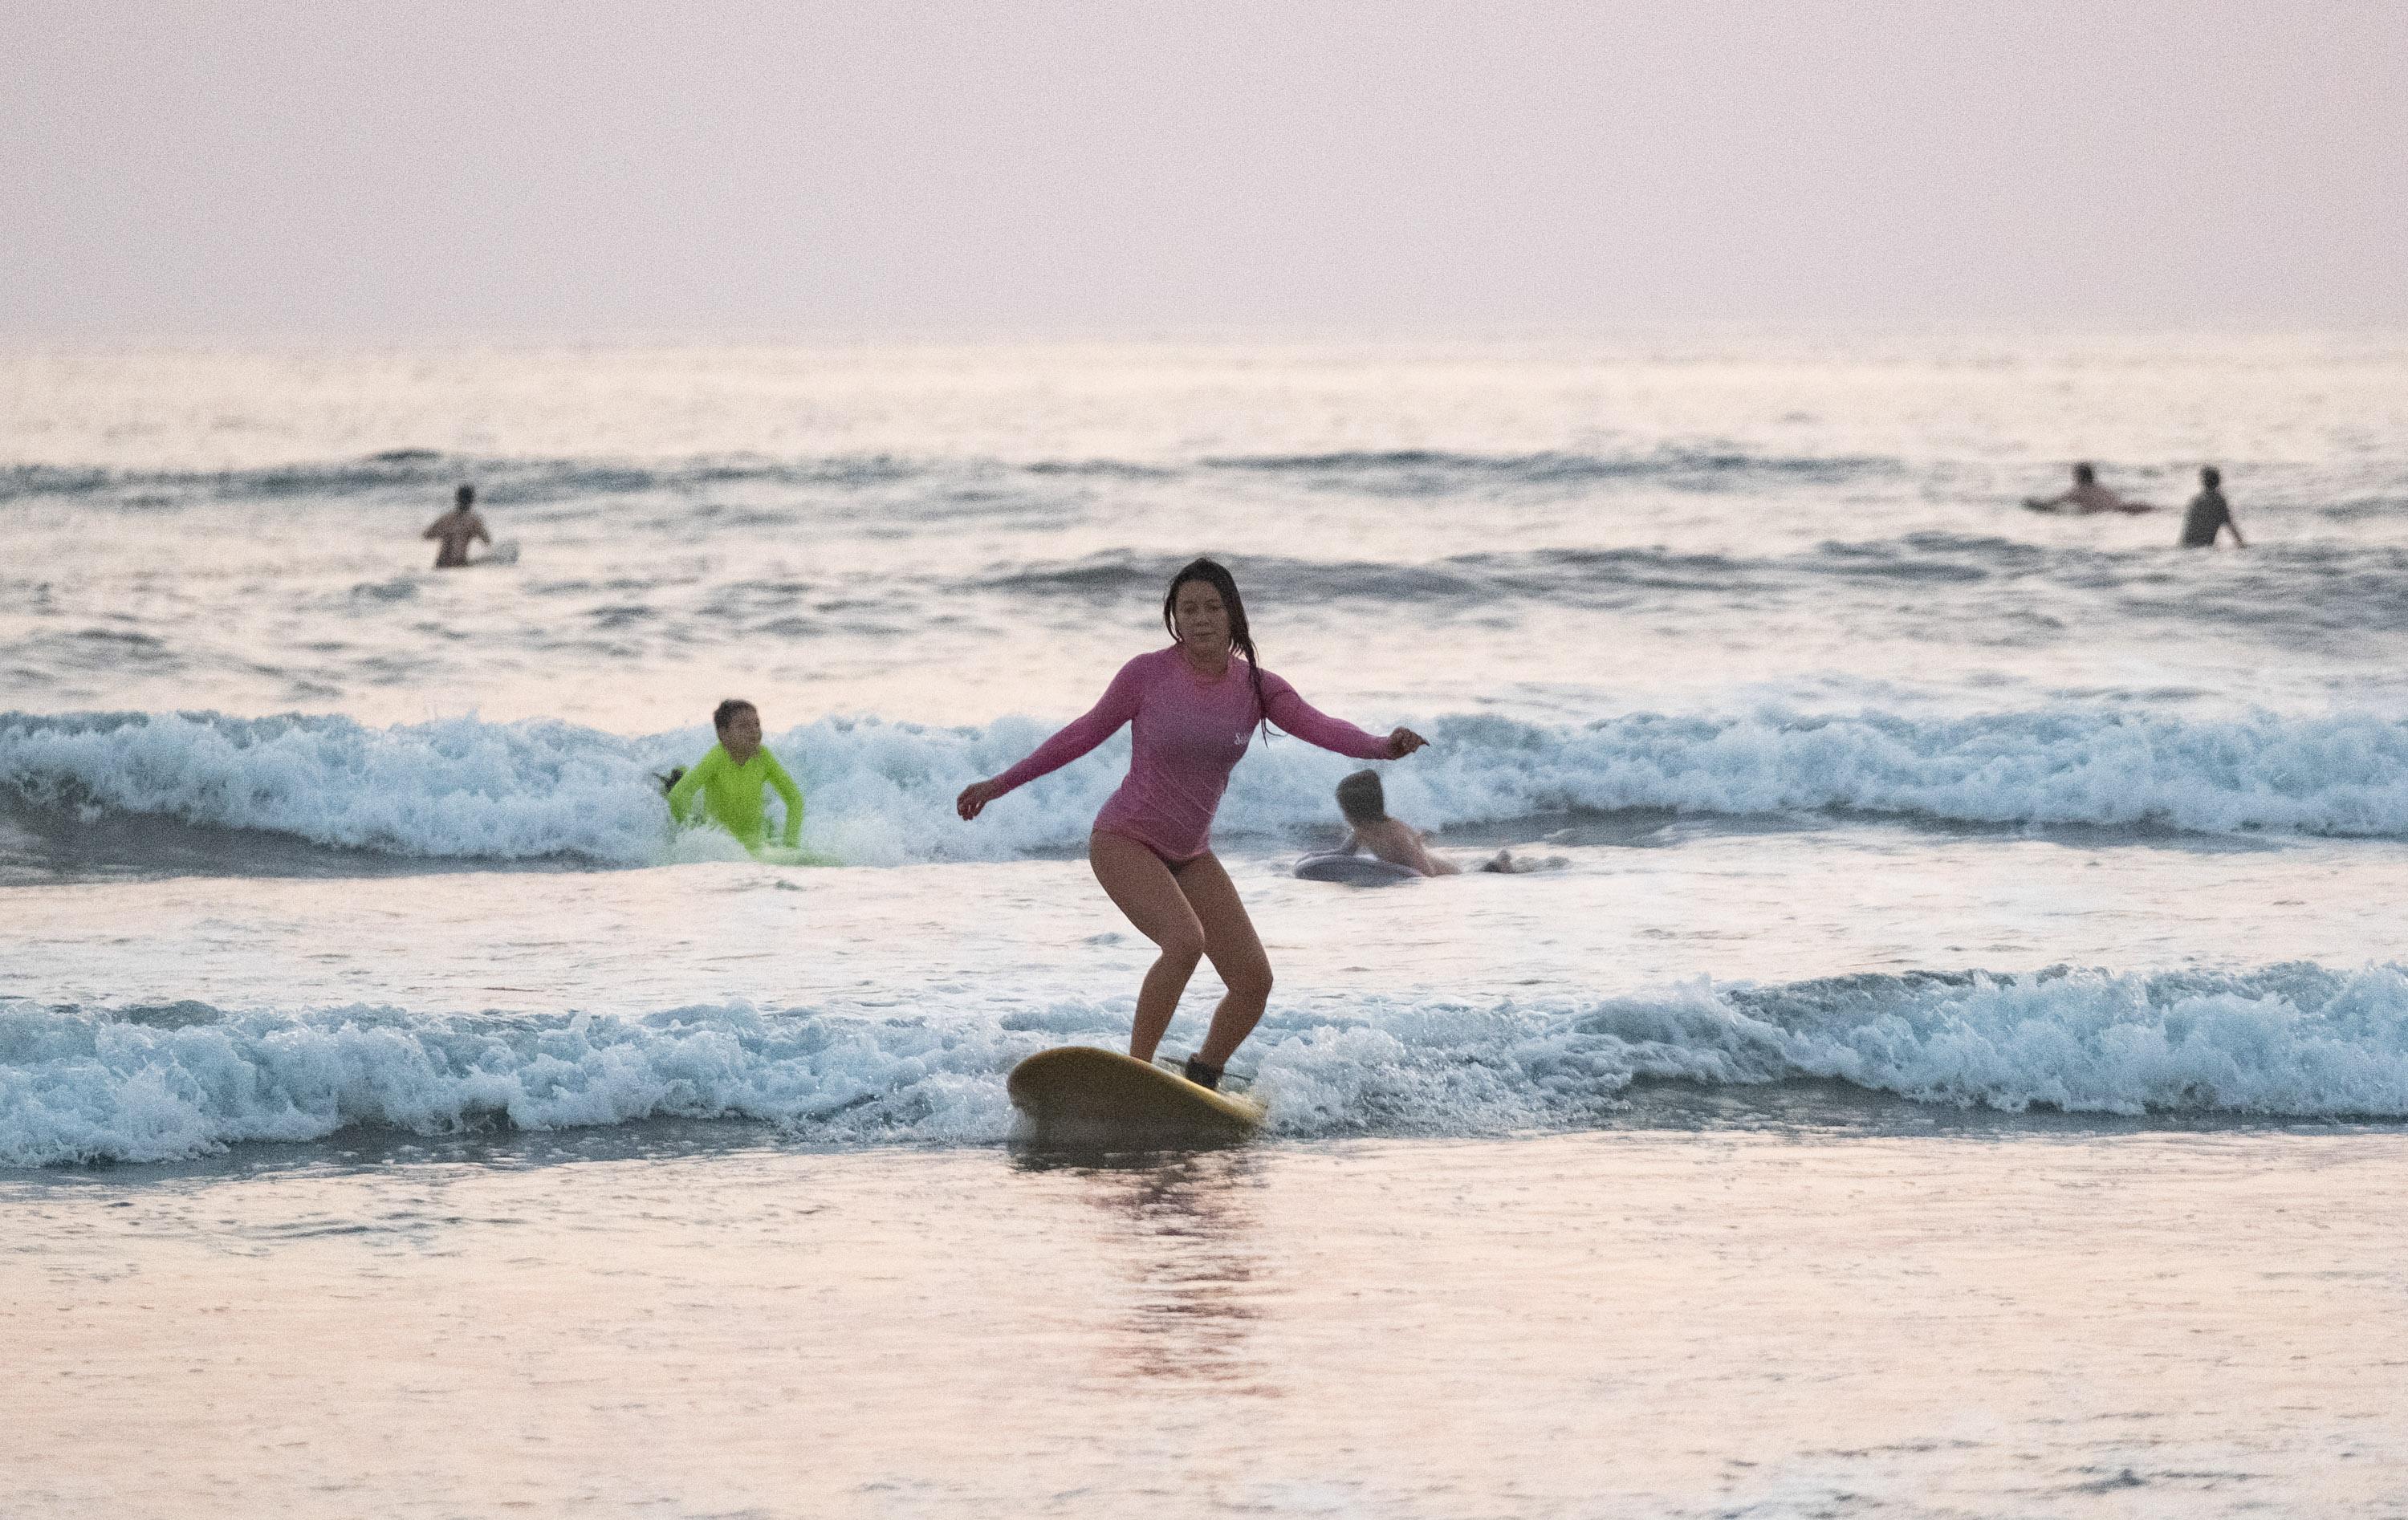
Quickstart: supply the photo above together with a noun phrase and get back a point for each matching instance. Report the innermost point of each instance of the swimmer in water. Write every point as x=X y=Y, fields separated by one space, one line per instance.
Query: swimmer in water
x=458 y=528
x=1194 y=707
x=2208 y=514
x=730 y=779
x=2087 y=496
x=1365 y=803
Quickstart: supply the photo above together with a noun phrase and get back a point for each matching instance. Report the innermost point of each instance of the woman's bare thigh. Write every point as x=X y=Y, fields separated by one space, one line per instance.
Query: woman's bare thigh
x=1229 y=938
x=1142 y=888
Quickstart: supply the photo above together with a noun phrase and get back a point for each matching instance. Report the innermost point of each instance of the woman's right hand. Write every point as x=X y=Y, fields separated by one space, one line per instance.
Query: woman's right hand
x=974 y=798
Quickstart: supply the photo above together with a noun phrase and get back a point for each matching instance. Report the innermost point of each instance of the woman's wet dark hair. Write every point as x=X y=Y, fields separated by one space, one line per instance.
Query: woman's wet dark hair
x=1217 y=575
x=724 y=715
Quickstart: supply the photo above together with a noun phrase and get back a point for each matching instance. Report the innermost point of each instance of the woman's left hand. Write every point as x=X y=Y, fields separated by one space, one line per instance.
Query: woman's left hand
x=1403 y=742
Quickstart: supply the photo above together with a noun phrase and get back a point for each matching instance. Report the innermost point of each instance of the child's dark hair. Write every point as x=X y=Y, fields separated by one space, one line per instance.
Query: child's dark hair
x=2210 y=477
x=1361 y=799
x=1217 y=575
x=724 y=715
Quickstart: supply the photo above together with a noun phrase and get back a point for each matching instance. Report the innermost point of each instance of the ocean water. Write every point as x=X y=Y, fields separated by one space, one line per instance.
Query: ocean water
x=1874 y=807
x=1853 y=768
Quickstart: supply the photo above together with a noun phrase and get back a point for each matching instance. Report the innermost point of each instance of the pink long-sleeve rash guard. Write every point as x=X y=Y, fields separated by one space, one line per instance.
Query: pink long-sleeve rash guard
x=1190 y=733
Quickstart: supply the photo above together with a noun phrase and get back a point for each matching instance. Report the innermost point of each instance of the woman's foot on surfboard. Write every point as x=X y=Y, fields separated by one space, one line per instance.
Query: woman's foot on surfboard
x=1201 y=1074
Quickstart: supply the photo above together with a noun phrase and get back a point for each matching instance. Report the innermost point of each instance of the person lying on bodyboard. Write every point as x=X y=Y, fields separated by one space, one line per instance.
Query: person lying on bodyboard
x=1364 y=804
x=2085 y=498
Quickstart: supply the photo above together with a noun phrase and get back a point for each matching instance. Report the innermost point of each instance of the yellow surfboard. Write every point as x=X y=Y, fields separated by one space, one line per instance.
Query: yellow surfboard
x=1103 y=1095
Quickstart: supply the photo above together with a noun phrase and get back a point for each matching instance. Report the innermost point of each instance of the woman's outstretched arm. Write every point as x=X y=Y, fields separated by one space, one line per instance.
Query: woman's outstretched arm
x=1295 y=715
x=1117 y=706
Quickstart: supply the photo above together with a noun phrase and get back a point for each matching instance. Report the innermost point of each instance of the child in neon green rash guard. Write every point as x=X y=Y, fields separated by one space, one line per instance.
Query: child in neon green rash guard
x=731 y=776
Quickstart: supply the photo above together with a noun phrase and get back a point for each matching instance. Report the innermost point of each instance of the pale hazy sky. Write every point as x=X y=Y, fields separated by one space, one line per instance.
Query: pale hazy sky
x=604 y=167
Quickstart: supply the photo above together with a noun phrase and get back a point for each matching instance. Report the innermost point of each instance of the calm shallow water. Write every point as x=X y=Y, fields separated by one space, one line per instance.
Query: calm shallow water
x=1663 y=1323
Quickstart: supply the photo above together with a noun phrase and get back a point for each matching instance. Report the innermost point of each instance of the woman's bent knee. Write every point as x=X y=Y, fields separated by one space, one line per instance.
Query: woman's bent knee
x=1252 y=982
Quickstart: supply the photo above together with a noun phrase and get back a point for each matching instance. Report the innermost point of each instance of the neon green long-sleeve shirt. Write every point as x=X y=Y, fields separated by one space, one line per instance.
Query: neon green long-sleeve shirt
x=731 y=794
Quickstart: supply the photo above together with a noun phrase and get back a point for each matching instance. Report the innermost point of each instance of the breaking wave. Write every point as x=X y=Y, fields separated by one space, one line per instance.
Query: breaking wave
x=882 y=792
x=152 y=1084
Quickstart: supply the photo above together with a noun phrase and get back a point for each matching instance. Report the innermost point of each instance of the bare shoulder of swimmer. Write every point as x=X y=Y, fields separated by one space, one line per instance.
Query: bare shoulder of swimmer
x=1399 y=843
x=1388 y=839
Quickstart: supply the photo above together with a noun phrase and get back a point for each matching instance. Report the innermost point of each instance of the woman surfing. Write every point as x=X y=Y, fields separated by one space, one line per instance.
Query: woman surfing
x=1194 y=709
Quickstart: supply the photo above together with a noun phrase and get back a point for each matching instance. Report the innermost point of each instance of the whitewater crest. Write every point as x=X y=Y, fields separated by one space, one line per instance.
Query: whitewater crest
x=152 y=1084
x=882 y=792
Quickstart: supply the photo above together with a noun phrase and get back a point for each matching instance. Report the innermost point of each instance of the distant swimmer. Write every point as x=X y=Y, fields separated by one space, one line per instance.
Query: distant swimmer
x=1365 y=803
x=2087 y=496
x=2208 y=513
x=730 y=779
x=458 y=528
x=1194 y=709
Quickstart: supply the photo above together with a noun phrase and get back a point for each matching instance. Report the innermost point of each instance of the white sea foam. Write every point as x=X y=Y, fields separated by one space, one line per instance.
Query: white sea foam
x=2297 y=1041
x=2340 y=774
x=458 y=788
x=78 y=1086
x=882 y=792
